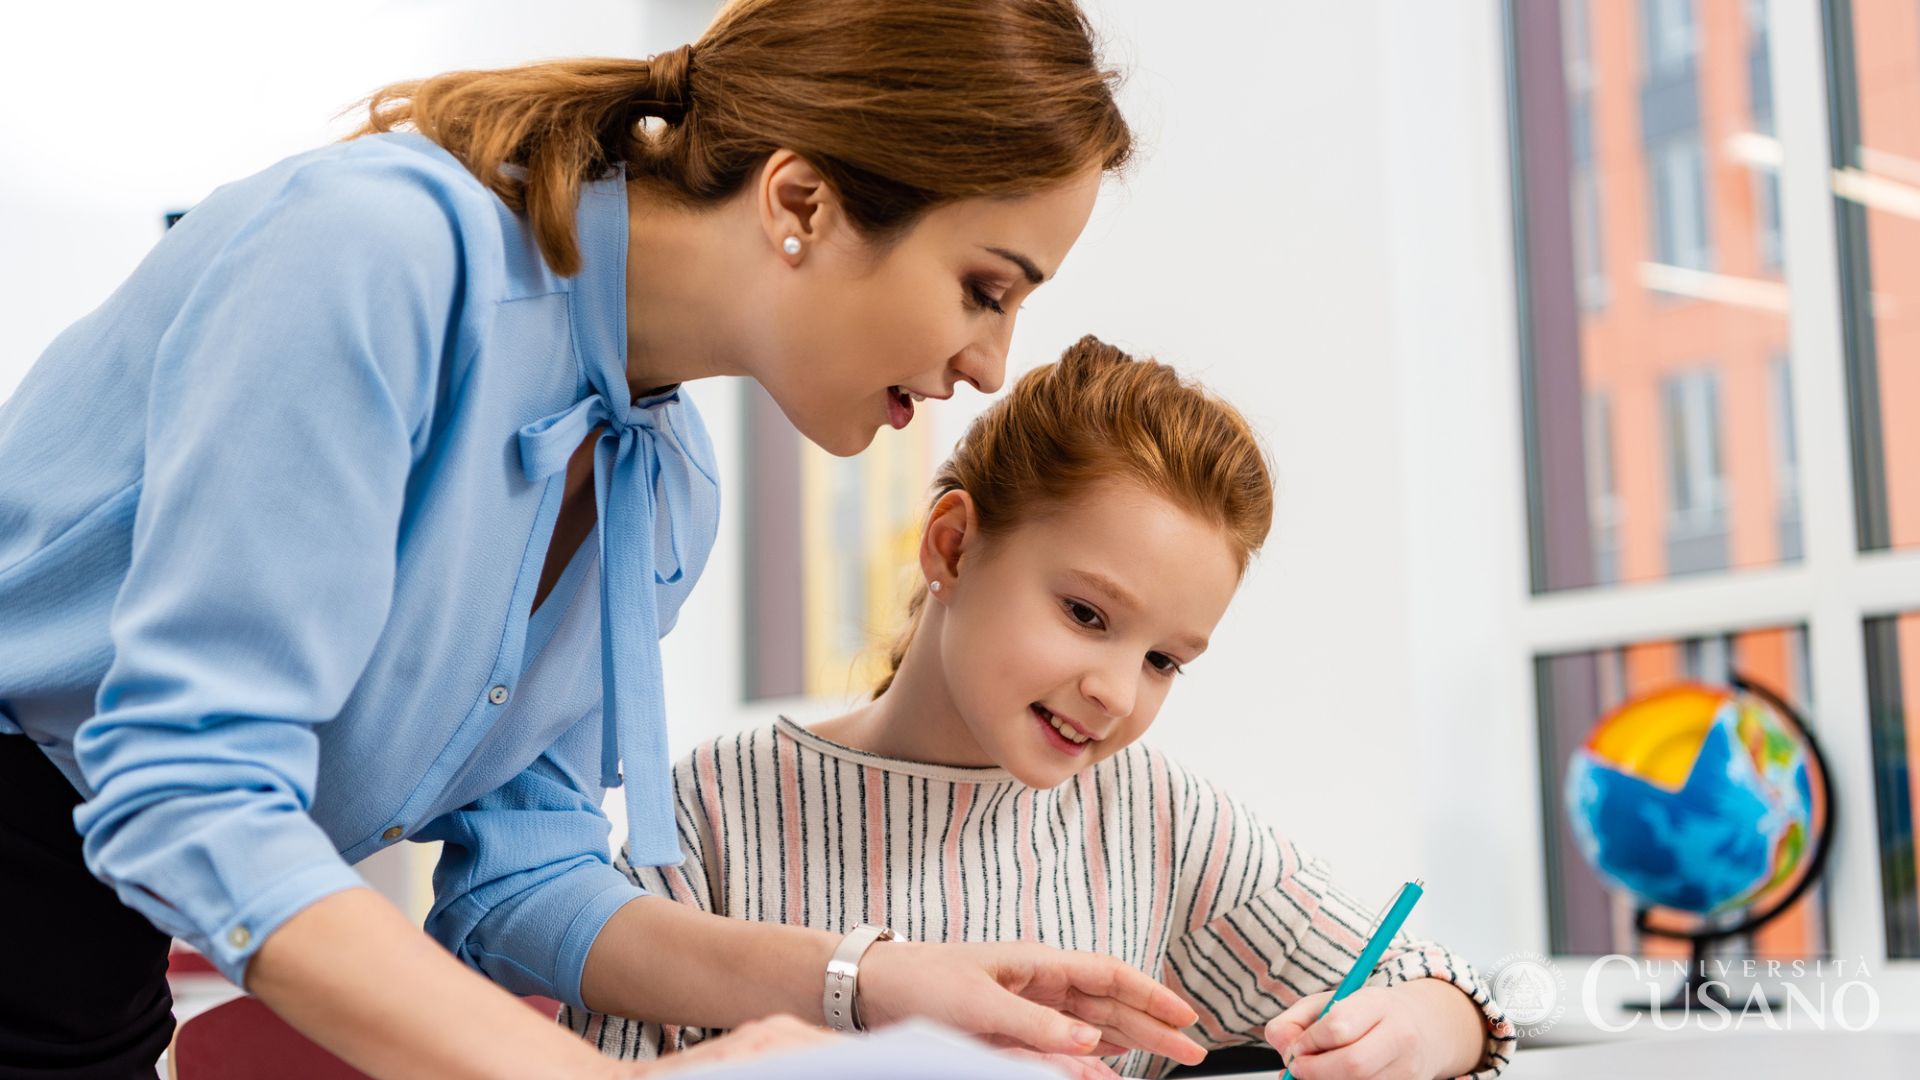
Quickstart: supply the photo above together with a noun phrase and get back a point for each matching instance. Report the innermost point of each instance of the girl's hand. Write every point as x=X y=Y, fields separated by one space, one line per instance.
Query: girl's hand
x=1417 y=1030
x=750 y=1040
x=1029 y=996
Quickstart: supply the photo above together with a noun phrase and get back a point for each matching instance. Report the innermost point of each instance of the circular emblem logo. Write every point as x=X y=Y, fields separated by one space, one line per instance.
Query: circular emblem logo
x=1529 y=988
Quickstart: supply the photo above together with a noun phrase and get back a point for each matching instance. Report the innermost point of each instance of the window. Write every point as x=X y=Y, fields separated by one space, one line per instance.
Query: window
x=1626 y=291
x=1874 y=87
x=1893 y=678
x=1588 y=247
x=1606 y=504
x=1722 y=464
x=1763 y=153
x=1680 y=205
x=1786 y=461
x=1696 y=482
x=1672 y=39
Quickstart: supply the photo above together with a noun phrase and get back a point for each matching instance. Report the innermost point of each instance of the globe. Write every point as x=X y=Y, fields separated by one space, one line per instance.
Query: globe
x=1695 y=798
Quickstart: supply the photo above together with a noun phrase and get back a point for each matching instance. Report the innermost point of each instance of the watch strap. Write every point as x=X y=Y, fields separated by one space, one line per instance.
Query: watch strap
x=839 y=1001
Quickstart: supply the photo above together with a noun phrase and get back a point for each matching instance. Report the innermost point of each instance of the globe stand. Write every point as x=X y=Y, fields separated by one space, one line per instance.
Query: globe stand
x=1698 y=990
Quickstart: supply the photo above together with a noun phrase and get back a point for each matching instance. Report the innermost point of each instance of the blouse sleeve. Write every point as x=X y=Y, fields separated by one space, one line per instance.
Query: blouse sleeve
x=286 y=399
x=1265 y=926
x=524 y=885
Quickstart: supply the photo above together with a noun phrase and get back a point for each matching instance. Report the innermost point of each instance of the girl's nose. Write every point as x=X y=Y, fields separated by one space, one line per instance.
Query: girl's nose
x=1112 y=692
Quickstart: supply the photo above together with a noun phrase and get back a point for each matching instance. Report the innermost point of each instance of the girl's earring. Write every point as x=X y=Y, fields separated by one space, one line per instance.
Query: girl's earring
x=791 y=245
x=933 y=586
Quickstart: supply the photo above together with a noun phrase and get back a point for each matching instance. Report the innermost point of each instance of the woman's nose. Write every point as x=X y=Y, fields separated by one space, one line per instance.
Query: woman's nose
x=984 y=364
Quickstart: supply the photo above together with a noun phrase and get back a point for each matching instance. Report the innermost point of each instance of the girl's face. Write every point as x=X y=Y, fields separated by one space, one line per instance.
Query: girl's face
x=1060 y=640
x=860 y=332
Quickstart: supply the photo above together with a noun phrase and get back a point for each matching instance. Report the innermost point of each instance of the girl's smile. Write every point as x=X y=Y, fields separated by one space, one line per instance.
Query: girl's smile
x=1064 y=735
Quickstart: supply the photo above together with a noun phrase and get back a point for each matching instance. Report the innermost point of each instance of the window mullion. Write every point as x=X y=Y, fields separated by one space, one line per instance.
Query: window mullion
x=1819 y=395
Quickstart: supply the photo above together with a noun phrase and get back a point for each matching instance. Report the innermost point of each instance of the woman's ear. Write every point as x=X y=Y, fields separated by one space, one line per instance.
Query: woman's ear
x=948 y=528
x=798 y=208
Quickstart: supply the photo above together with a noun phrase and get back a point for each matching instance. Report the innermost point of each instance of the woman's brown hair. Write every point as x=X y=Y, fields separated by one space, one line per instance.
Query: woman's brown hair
x=1099 y=414
x=901 y=104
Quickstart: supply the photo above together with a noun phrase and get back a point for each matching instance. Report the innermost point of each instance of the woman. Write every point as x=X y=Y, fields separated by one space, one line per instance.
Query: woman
x=356 y=514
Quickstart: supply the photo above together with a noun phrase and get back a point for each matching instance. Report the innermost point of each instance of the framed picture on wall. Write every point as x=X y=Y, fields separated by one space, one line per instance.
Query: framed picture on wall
x=830 y=554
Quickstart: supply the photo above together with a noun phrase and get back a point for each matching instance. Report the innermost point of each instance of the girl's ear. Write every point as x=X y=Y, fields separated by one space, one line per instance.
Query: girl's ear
x=948 y=528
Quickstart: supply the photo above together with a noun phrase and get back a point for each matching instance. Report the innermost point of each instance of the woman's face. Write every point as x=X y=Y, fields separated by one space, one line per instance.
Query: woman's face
x=1081 y=619
x=859 y=333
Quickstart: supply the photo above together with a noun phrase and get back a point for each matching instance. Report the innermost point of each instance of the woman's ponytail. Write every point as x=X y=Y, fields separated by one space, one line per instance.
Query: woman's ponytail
x=558 y=123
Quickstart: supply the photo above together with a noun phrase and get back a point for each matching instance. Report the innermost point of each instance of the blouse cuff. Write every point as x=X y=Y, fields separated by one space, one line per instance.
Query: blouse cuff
x=1434 y=962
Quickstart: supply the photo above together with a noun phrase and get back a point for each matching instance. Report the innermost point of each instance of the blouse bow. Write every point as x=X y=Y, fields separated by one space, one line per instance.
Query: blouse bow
x=648 y=492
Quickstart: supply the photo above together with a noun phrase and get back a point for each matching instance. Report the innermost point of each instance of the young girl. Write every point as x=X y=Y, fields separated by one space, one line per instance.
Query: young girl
x=1084 y=540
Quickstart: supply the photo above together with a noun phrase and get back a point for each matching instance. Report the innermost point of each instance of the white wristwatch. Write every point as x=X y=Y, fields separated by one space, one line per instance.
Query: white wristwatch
x=839 y=1002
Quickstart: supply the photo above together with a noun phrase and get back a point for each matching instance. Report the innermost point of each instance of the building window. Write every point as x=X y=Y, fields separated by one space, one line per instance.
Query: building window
x=1696 y=475
x=1679 y=186
x=1670 y=38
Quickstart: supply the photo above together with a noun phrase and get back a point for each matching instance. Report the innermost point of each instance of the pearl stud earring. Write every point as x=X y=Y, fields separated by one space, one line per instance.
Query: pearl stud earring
x=791 y=245
x=933 y=586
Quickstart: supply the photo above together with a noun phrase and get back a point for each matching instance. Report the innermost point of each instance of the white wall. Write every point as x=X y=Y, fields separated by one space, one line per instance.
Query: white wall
x=1315 y=226
x=116 y=112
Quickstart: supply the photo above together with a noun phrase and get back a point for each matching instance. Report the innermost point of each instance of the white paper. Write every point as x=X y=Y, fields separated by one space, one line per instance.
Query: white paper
x=916 y=1050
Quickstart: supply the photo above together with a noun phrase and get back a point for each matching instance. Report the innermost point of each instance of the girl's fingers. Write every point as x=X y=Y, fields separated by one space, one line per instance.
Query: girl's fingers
x=1283 y=1029
x=1365 y=1059
x=1347 y=1023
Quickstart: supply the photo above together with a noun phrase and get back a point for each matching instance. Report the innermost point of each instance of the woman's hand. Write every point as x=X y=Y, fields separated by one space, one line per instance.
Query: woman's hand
x=751 y=1040
x=1416 y=1030
x=1027 y=996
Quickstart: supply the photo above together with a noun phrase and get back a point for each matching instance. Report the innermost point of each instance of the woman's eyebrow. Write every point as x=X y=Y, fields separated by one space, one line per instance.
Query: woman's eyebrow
x=1025 y=264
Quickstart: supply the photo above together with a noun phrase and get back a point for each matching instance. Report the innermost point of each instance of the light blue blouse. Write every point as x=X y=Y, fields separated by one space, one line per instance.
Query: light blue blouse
x=271 y=522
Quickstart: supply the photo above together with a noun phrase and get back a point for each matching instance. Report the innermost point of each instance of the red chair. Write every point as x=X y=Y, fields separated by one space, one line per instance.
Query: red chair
x=244 y=1040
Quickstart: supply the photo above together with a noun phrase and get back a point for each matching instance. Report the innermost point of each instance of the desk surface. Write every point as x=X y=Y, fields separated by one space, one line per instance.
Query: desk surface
x=1866 y=1055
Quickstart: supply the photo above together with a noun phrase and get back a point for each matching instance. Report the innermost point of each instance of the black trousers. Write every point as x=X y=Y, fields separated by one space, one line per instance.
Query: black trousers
x=83 y=978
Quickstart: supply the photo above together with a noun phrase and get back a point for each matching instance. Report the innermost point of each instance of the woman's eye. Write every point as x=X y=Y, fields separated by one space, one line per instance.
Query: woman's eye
x=1084 y=614
x=1164 y=664
x=978 y=298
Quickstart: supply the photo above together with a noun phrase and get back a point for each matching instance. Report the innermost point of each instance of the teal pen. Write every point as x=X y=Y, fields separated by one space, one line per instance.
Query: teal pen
x=1383 y=930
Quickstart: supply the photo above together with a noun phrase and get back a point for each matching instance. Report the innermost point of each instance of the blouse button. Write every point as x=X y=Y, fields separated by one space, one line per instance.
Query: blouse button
x=391 y=834
x=239 y=937
x=497 y=695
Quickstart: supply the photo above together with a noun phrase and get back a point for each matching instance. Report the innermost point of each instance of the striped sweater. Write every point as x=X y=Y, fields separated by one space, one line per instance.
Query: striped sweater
x=1135 y=858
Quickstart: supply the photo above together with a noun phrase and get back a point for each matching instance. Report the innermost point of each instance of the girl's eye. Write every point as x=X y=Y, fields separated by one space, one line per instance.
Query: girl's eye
x=1084 y=614
x=976 y=298
x=1164 y=664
